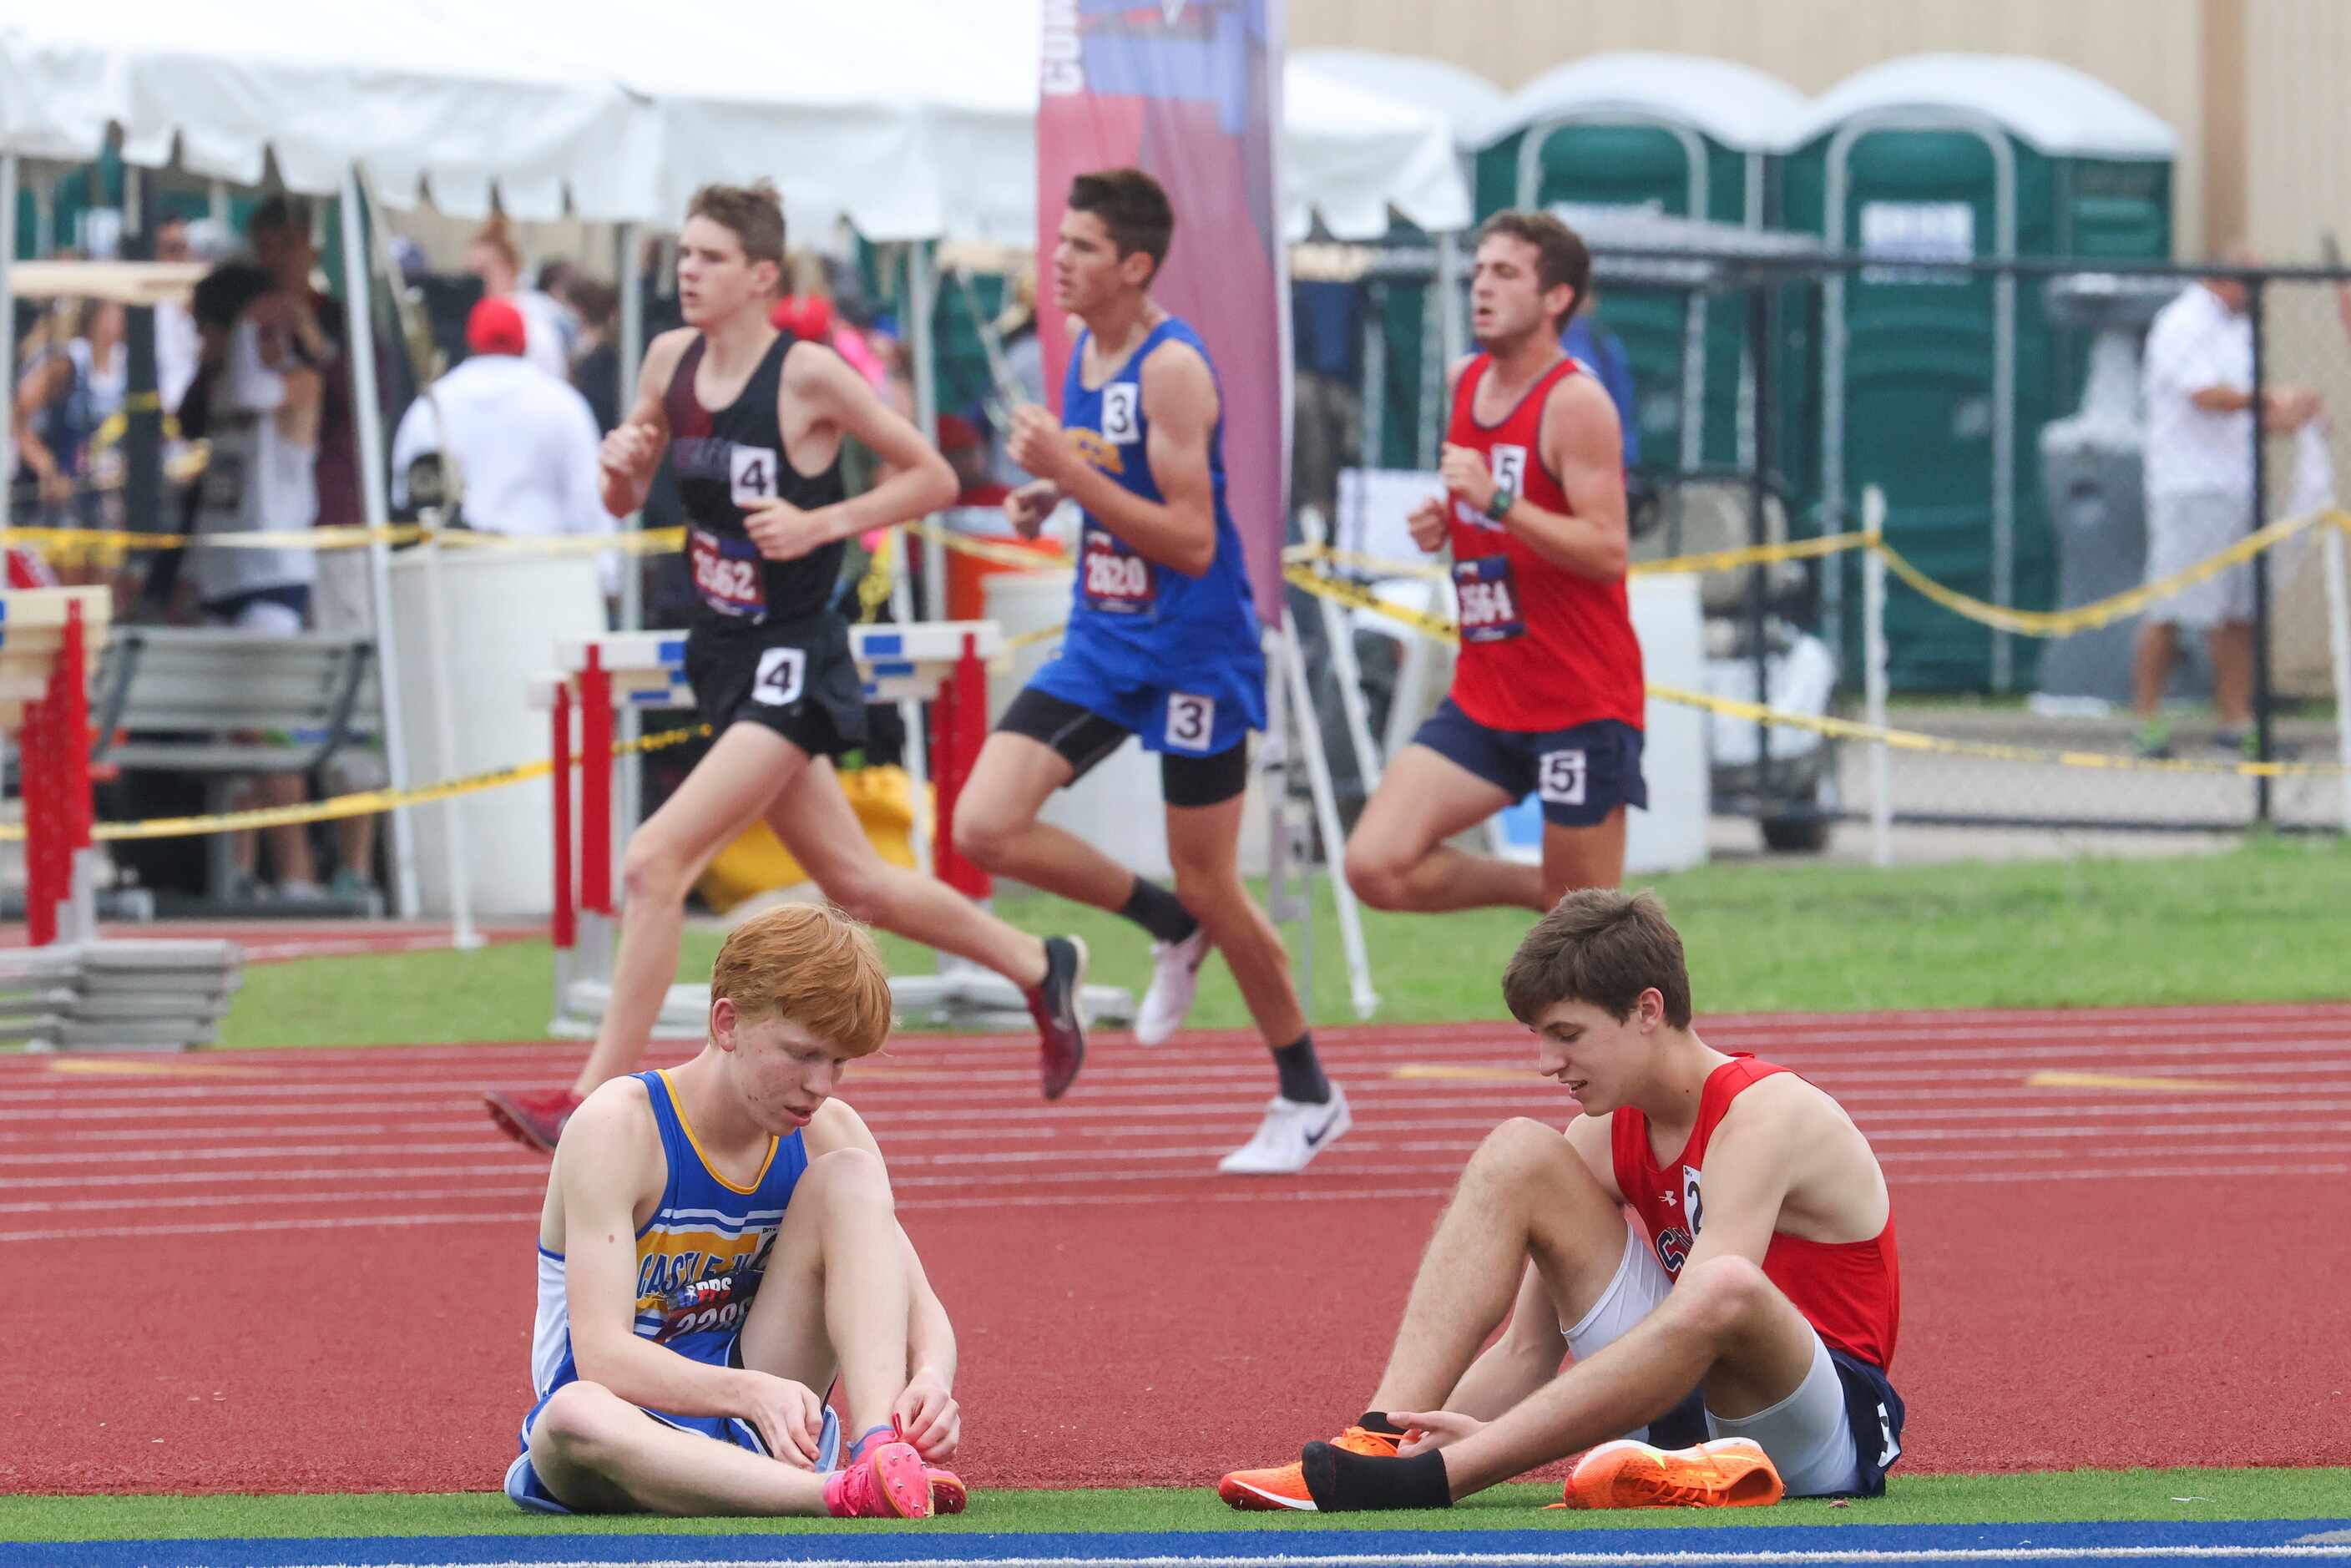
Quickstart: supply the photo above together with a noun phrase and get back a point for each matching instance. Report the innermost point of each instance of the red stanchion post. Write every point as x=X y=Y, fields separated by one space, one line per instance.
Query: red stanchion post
x=564 y=924
x=595 y=785
x=958 y=729
x=36 y=770
x=72 y=720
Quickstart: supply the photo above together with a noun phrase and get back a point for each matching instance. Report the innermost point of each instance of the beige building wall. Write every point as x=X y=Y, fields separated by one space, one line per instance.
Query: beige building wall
x=2149 y=50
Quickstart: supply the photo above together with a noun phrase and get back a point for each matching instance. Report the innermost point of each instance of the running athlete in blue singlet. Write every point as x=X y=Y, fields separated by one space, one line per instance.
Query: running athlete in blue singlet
x=1162 y=645
x=708 y=1231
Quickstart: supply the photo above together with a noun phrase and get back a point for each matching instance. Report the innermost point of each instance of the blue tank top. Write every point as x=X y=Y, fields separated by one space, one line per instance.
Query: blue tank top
x=700 y=1256
x=1132 y=615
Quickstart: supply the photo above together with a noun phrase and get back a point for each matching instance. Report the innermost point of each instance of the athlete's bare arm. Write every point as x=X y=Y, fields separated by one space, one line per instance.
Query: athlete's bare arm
x=609 y=1164
x=820 y=389
x=626 y=461
x=1179 y=403
x=927 y=1409
x=1429 y=521
x=1785 y=1157
x=1583 y=444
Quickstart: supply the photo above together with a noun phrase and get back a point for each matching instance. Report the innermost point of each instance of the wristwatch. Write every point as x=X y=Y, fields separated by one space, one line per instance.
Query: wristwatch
x=1500 y=507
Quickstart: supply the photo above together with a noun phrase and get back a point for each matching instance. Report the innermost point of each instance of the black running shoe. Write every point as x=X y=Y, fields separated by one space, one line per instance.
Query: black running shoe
x=1061 y=1024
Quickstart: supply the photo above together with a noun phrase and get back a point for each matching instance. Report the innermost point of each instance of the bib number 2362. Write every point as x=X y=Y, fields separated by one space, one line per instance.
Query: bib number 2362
x=729 y=582
x=1490 y=599
x=1115 y=580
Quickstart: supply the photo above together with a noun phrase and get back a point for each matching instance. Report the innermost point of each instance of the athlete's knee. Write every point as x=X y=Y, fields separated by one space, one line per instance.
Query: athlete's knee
x=653 y=868
x=579 y=1421
x=863 y=886
x=984 y=836
x=1518 y=1153
x=1377 y=874
x=1724 y=1294
x=848 y=1178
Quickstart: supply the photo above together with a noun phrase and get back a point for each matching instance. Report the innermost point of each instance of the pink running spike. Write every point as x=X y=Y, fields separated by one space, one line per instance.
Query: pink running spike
x=888 y=1483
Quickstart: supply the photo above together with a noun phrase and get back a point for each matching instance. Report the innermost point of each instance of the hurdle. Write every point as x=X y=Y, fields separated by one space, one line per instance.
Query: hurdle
x=67 y=989
x=942 y=663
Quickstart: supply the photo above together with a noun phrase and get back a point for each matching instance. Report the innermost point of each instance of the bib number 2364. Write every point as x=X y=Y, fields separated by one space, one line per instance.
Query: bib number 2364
x=1490 y=599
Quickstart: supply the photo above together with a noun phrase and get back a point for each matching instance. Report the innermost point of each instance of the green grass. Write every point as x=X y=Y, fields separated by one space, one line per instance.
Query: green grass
x=2259 y=923
x=2052 y=1498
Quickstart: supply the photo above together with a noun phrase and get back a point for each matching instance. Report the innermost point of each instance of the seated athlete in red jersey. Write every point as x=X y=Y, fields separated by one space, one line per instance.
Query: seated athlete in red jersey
x=1746 y=1305
x=1547 y=693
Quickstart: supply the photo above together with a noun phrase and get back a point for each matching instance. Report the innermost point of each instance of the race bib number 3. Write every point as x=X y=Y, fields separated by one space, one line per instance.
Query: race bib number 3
x=1490 y=599
x=1114 y=580
x=726 y=573
x=750 y=475
x=1191 y=722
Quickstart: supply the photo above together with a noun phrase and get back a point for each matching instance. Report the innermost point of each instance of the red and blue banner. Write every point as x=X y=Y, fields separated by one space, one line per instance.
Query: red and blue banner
x=1189 y=92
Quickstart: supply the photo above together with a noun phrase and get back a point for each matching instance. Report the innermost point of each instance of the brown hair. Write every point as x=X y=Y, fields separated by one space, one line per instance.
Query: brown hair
x=497 y=235
x=754 y=213
x=1561 y=254
x=813 y=966
x=1604 y=949
x=1132 y=207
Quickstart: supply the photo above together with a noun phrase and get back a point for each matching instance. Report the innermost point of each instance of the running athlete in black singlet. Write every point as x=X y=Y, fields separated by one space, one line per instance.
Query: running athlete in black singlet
x=752 y=420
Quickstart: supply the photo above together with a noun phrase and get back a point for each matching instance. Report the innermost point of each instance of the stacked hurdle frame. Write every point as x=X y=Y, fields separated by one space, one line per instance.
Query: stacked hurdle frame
x=48 y=637
x=942 y=663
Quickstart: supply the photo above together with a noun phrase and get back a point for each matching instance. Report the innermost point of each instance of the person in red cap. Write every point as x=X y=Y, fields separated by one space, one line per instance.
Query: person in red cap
x=502 y=444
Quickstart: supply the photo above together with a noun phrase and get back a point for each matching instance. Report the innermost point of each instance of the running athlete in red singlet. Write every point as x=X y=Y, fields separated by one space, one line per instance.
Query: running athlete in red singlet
x=1747 y=1303
x=1547 y=692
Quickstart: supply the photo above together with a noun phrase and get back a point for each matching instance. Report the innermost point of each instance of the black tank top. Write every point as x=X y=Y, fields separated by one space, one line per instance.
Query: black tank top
x=728 y=462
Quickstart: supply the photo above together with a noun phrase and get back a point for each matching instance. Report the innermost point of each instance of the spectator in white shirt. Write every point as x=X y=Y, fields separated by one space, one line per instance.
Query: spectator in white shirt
x=492 y=258
x=522 y=444
x=2196 y=382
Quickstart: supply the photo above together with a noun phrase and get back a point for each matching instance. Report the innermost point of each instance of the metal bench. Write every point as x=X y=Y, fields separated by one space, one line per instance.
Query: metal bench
x=226 y=705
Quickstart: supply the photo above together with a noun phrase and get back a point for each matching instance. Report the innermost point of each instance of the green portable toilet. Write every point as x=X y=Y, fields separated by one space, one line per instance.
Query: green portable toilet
x=1682 y=136
x=1936 y=385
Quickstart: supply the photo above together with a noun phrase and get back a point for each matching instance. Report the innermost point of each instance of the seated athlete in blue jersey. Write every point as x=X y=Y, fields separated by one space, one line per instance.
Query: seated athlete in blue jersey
x=718 y=1247
x=1162 y=645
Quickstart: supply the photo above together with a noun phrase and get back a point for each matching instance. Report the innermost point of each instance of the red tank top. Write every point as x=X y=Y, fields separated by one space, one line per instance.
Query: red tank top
x=1850 y=1291
x=1542 y=648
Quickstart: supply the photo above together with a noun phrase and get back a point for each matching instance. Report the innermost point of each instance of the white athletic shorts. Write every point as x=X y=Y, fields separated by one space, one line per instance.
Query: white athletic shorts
x=1807 y=1434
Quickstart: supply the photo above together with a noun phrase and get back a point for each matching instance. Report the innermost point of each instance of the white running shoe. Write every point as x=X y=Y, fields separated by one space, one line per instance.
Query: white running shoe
x=1292 y=1134
x=1174 y=982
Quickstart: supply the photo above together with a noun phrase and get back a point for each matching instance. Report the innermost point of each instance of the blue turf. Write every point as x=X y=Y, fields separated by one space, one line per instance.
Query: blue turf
x=2266 y=1541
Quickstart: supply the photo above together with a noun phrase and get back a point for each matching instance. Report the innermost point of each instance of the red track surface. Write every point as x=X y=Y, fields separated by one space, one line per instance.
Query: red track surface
x=270 y=1271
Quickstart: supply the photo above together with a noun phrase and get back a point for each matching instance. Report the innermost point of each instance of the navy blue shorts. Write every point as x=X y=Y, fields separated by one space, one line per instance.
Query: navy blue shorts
x=1874 y=1411
x=1583 y=773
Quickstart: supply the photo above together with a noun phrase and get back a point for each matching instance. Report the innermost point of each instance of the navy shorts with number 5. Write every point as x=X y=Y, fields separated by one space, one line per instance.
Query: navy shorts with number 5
x=1582 y=774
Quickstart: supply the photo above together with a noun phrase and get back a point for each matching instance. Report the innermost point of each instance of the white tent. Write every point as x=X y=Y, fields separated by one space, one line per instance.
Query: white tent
x=1467 y=99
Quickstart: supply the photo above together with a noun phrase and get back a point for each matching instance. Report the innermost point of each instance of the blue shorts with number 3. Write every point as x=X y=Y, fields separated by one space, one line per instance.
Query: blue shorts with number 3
x=1202 y=712
x=1581 y=773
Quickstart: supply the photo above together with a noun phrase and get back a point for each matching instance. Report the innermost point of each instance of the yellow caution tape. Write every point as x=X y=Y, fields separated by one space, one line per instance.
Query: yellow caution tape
x=2087 y=617
x=1050 y=559
x=1671 y=566
x=647 y=541
x=1444 y=630
x=363 y=803
x=1030 y=638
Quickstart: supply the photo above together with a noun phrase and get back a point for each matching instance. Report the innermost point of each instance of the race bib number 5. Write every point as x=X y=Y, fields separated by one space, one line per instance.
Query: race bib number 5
x=1490 y=599
x=1113 y=579
x=726 y=573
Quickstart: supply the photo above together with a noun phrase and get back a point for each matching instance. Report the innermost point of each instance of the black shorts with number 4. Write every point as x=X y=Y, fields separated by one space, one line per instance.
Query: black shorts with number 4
x=799 y=678
x=1581 y=773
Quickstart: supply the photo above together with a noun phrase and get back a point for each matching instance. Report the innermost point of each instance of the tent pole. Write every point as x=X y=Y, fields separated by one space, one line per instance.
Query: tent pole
x=367 y=416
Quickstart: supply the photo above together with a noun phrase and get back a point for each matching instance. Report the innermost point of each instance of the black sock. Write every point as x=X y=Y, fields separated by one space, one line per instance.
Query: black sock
x=1302 y=1076
x=1341 y=1482
x=1377 y=1421
x=1159 y=912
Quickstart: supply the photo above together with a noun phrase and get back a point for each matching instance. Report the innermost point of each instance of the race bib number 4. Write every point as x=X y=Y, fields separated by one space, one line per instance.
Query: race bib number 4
x=726 y=573
x=750 y=475
x=1490 y=599
x=782 y=676
x=1113 y=579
